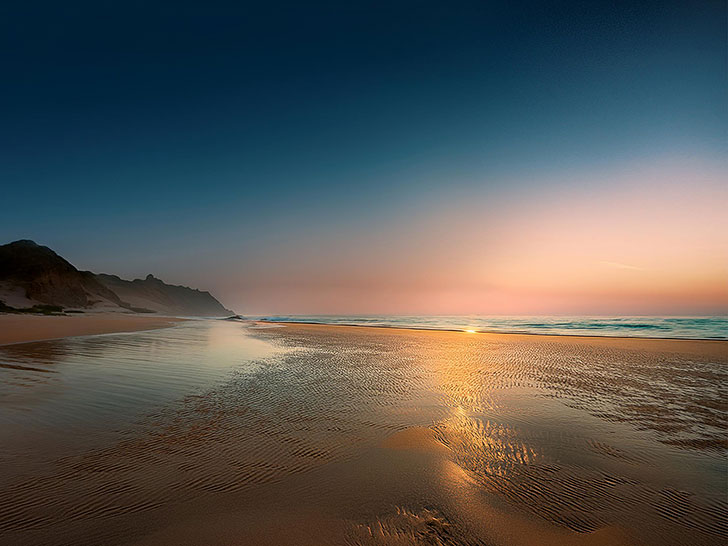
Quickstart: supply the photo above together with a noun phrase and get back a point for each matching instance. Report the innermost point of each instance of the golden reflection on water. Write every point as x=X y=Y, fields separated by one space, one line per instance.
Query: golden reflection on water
x=484 y=447
x=509 y=433
x=217 y=417
x=491 y=448
x=228 y=342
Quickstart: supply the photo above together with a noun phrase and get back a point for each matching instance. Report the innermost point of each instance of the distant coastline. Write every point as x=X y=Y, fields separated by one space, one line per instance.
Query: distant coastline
x=36 y=280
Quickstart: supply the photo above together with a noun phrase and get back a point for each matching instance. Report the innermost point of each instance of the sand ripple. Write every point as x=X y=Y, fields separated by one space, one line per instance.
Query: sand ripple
x=580 y=436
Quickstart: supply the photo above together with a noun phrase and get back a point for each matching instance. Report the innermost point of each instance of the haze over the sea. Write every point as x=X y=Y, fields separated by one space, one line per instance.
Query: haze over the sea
x=402 y=158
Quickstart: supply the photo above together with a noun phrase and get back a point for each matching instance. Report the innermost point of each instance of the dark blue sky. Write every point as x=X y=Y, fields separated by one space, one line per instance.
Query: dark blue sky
x=140 y=137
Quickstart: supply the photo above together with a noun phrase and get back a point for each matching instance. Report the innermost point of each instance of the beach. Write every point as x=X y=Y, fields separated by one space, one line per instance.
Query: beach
x=221 y=432
x=25 y=328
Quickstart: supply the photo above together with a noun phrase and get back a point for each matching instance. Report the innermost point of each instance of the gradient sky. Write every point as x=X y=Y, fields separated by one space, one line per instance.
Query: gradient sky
x=365 y=157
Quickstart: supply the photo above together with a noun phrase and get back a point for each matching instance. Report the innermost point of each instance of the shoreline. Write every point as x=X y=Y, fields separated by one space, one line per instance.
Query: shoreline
x=714 y=348
x=430 y=431
x=489 y=332
x=16 y=329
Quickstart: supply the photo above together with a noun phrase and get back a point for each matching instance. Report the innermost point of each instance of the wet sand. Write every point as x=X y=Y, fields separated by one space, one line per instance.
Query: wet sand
x=25 y=328
x=223 y=433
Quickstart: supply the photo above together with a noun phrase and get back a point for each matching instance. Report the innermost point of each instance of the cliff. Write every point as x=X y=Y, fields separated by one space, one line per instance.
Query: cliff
x=31 y=274
x=155 y=295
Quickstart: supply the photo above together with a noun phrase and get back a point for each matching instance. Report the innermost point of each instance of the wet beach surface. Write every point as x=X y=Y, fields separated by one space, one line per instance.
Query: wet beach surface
x=217 y=432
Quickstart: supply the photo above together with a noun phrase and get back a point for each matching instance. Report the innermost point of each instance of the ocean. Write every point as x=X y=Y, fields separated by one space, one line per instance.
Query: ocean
x=715 y=327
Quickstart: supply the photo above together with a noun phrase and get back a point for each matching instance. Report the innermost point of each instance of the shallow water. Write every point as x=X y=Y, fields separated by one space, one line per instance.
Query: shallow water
x=215 y=432
x=651 y=327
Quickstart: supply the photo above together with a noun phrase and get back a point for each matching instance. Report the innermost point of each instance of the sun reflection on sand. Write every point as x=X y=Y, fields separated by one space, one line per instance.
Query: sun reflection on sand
x=443 y=438
x=480 y=445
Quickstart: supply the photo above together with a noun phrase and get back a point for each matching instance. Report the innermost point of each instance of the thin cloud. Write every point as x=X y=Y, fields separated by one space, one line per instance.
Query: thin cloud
x=618 y=265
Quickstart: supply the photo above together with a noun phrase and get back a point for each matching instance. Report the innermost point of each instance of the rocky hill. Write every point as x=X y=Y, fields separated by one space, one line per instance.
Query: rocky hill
x=153 y=294
x=32 y=275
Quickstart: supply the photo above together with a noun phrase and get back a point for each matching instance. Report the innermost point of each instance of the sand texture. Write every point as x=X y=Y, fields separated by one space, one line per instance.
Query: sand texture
x=217 y=432
x=24 y=328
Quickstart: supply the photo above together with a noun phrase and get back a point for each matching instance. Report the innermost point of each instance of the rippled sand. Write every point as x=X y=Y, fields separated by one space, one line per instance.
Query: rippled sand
x=221 y=433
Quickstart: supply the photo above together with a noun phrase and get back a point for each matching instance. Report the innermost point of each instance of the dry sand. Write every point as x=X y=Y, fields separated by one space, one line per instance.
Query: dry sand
x=25 y=328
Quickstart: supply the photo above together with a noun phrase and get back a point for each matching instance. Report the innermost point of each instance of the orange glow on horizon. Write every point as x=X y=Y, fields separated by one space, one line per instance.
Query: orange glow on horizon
x=647 y=241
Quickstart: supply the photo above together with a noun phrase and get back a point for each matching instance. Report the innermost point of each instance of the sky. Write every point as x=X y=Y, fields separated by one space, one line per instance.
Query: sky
x=405 y=157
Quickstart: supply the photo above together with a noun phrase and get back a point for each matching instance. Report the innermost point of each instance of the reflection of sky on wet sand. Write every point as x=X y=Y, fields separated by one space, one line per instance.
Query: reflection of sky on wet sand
x=512 y=437
x=62 y=388
x=398 y=432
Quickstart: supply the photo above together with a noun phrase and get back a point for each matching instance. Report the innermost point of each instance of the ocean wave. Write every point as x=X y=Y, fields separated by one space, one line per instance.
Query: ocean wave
x=656 y=327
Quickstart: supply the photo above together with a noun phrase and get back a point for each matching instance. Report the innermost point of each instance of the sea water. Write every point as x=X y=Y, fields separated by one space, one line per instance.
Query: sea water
x=714 y=327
